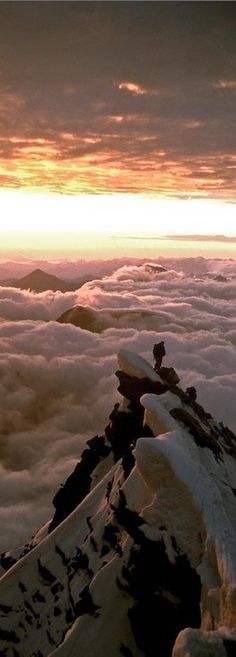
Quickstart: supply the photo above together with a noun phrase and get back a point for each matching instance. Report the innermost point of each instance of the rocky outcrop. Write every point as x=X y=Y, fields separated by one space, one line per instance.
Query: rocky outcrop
x=118 y=441
x=140 y=556
x=82 y=316
x=98 y=321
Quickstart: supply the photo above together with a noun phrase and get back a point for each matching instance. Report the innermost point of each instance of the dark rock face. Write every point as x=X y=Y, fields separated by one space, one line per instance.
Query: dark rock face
x=8 y=636
x=169 y=374
x=86 y=605
x=230 y=647
x=201 y=436
x=119 y=438
x=133 y=388
x=7 y=561
x=168 y=598
x=229 y=439
x=77 y=486
x=167 y=595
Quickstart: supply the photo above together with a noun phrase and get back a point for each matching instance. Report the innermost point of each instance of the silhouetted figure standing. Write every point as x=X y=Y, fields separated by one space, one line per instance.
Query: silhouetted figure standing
x=158 y=353
x=192 y=393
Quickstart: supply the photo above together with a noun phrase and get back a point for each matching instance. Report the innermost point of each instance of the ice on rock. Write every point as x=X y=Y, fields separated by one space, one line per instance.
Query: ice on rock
x=134 y=365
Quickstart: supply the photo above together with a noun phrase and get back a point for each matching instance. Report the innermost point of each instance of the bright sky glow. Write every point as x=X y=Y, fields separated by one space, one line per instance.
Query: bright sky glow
x=114 y=214
x=98 y=142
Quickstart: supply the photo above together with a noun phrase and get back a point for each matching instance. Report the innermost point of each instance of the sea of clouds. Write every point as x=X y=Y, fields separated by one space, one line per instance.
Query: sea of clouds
x=57 y=381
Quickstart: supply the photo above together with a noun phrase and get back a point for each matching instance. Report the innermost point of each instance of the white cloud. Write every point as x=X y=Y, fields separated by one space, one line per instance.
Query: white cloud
x=22 y=304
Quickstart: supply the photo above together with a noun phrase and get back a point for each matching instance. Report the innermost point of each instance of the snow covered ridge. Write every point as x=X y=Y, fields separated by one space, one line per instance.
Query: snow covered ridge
x=139 y=559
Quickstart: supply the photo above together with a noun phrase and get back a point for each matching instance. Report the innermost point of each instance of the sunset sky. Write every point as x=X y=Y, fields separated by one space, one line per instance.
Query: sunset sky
x=124 y=109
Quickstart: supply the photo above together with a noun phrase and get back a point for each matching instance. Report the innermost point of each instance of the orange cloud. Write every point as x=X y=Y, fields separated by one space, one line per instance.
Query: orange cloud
x=133 y=88
x=192 y=125
x=136 y=89
x=68 y=136
x=116 y=118
x=114 y=152
x=109 y=170
x=91 y=140
x=23 y=140
x=225 y=84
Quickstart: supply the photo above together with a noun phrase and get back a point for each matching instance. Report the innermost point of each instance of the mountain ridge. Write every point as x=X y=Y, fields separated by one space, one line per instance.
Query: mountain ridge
x=140 y=556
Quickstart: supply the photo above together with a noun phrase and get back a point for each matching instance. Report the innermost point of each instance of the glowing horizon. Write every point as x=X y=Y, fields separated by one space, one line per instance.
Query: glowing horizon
x=115 y=214
x=115 y=224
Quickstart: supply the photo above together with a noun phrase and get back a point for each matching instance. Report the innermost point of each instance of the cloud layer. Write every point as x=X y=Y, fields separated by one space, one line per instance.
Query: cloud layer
x=122 y=97
x=57 y=383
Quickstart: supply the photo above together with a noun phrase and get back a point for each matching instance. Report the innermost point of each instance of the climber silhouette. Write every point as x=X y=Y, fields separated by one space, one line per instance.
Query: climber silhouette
x=158 y=353
x=192 y=393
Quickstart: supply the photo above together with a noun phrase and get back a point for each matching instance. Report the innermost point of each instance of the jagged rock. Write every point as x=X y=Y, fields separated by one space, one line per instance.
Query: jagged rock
x=78 y=483
x=145 y=563
x=133 y=388
x=120 y=436
x=7 y=560
x=202 y=437
x=169 y=374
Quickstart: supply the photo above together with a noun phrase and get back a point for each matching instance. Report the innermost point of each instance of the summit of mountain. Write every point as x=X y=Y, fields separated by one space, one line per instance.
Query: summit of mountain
x=40 y=281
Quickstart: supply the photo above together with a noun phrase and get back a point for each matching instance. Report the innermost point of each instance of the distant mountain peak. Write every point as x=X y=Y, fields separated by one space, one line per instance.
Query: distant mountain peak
x=40 y=281
x=41 y=271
